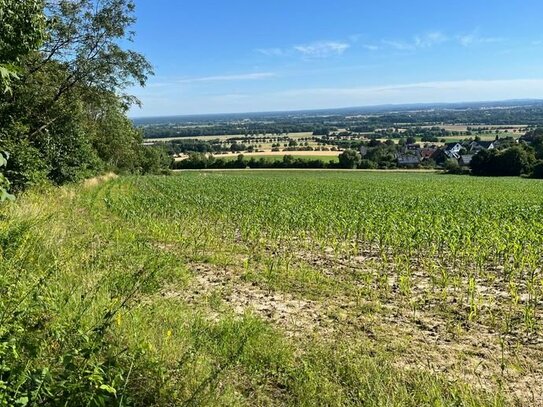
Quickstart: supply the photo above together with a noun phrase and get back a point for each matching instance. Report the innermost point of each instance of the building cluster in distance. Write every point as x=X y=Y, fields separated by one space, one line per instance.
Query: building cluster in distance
x=413 y=155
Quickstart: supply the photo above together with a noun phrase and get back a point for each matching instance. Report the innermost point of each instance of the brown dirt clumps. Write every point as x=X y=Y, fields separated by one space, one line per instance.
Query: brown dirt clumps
x=295 y=316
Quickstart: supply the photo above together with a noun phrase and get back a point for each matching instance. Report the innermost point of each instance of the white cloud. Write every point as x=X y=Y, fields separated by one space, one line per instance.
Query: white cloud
x=425 y=40
x=227 y=78
x=371 y=47
x=272 y=52
x=318 y=49
x=399 y=45
x=322 y=48
x=475 y=38
x=430 y=39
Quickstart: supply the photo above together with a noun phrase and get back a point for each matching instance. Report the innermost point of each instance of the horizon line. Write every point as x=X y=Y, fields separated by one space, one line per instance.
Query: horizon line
x=385 y=105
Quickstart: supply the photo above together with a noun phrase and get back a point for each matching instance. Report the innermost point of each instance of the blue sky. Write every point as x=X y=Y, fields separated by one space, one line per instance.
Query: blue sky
x=242 y=56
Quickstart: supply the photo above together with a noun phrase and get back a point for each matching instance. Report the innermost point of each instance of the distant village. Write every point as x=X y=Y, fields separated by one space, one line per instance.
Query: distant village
x=414 y=155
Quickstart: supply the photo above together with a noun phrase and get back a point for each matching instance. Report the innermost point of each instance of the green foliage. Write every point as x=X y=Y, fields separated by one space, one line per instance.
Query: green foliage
x=538 y=170
x=349 y=159
x=65 y=119
x=4 y=183
x=8 y=73
x=367 y=164
x=22 y=25
x=88 y=33
x=203 y=161
x=26 y=167
x=67 y=148
x=114 y=138
x=22 y=31
x=154 y=160
x=452 y=166
x=512 y=161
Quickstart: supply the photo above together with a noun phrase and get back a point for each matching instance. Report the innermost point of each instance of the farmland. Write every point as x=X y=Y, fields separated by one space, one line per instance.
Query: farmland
x=278 y=156
x=382 y=144
x=274 y=288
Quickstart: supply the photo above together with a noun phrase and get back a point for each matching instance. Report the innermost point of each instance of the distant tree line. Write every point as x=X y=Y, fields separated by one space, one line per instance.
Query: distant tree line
x=381 y=155
x=167 y=131
x=203 y=161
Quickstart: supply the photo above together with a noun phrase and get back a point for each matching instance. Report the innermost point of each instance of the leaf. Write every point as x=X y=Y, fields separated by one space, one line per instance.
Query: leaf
x=109 y=389
x=22 y=401
x=5 y=196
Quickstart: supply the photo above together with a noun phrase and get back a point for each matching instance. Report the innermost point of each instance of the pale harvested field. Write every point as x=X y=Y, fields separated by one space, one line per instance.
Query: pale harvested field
x=282 y=153
x=273 y=153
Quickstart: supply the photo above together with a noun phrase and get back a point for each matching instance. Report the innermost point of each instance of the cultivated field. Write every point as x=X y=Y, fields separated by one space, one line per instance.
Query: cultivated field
x=280 y=288
x=225 y=137
x=325 y=156
x=464 y=128
x=278 y=155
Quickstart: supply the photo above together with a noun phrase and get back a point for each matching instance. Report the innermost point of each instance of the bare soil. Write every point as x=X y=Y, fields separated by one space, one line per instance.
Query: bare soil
x=424 y=339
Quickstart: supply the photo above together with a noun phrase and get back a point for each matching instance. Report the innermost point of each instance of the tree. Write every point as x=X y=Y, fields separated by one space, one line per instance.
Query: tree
x=367 y=164
x=452 y=167
x=537 y=145
x=22 y=30
x=66 y=116
x=85 y=36
x=481 y=163
x=23 y=24
x=155 y=160
x=113 y=136
x=349 y=159
x=288 y=160
x=513 y=161
x=538 y=170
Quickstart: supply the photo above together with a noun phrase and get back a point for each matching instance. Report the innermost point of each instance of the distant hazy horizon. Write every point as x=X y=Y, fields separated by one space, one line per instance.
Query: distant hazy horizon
x=364 y=109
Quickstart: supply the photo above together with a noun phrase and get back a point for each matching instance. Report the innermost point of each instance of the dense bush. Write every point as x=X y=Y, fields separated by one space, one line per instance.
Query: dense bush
x=538 y=170
x=4 y=183
x=26 y=167
x=513 y=161
x=349 y=159
x=452 y=166
x=367 y=164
